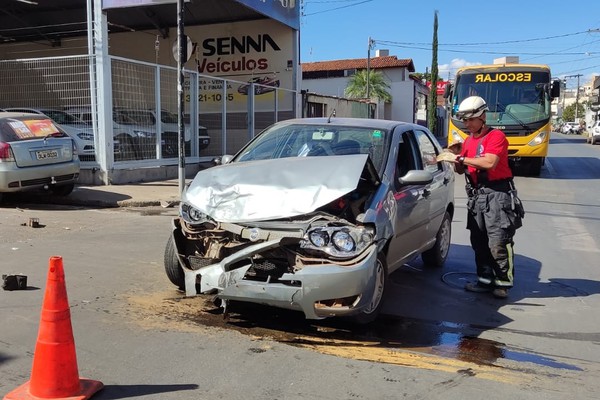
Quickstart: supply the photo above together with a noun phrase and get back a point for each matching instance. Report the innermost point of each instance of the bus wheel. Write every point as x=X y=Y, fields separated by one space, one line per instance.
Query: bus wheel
x=535 y=168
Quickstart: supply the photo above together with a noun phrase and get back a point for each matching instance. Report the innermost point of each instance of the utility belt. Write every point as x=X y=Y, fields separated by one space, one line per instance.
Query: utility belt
x=500 y=185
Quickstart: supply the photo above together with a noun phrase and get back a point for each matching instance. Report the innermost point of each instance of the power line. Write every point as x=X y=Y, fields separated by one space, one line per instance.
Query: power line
x=578 y=70
x=483 y=51
x=337 y=8
x=503 y=42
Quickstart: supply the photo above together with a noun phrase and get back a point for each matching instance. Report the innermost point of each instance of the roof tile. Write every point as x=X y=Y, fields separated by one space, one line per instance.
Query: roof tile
x=359 y=63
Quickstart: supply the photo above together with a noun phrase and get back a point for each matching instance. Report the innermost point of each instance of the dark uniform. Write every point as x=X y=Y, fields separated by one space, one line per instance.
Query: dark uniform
x=494 y=211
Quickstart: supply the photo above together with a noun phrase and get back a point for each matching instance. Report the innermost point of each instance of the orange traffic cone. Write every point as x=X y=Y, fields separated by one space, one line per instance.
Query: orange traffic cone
x=54 y=374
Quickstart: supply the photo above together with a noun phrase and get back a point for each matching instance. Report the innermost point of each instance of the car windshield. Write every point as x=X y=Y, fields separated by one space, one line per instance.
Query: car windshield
x=122 y=118
x=141 y=117
x=168 y=117
x=308 y=140
x=27 y=128
x=64 y=118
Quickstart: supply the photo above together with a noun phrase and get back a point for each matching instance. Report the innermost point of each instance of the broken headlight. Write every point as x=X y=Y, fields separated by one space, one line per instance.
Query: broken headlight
x=338 y=241
x=343 y=241
x=192 y=215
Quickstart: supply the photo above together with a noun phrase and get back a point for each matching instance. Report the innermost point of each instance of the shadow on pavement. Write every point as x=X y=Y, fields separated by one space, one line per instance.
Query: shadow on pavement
x=113 y=392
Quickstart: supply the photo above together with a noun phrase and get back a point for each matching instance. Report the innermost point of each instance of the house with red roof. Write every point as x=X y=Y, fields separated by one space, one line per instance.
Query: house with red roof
x=409 y=94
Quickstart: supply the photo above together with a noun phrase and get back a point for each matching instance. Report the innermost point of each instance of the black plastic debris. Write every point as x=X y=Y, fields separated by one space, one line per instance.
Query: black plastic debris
x=14 y=282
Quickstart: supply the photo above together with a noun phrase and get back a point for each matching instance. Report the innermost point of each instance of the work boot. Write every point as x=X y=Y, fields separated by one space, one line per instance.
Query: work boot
x=500 y=293
x=477 y=287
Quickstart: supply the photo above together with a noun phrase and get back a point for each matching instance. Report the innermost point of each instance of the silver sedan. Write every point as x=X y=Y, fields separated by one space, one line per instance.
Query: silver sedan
x=35 y=154
x=313 y=215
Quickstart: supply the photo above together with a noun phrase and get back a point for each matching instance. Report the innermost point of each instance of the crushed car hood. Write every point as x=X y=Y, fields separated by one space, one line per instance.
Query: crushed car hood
x=279 y=188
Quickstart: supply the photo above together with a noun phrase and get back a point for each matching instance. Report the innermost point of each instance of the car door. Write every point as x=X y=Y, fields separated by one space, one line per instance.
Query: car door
x=439 y=189
x=411 y=205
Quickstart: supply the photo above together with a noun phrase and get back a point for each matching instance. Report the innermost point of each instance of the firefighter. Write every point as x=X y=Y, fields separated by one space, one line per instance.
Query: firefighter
x=494 y=211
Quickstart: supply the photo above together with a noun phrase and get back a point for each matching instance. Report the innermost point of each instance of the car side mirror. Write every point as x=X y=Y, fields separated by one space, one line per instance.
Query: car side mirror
x=447 y=90
x=555 y=89
x=416 y=177
x=224 y=159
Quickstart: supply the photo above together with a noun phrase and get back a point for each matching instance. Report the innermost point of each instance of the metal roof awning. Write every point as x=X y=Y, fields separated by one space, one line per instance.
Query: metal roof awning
x=49 y=22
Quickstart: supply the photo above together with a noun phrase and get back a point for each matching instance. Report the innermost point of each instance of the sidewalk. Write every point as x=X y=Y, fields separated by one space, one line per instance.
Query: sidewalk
x=144 y=194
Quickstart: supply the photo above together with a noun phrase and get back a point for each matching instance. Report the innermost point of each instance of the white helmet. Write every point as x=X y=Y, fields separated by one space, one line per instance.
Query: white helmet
x=471 y=107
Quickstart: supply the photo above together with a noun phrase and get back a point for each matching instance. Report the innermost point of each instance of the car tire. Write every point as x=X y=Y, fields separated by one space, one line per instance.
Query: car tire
x=437 y=255
x=127 y=148
x=173 y=269
x=62 y=190
x=372 y=312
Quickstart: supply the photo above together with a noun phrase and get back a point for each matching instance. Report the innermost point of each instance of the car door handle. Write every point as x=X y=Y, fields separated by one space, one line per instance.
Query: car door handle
x=426 y=192
x=446 y=181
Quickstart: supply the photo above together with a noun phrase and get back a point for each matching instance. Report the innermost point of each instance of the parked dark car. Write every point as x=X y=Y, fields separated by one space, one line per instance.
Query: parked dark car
x=313 y=215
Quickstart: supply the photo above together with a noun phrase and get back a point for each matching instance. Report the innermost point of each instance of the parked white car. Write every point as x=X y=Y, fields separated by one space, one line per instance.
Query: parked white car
x=170 y=129
x=81 y=132
x=136 y=141
x=571 y=128
x=594 y=133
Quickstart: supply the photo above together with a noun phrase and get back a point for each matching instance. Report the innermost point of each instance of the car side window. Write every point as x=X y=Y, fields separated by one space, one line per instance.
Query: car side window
x=406 y=156
x=428 y=152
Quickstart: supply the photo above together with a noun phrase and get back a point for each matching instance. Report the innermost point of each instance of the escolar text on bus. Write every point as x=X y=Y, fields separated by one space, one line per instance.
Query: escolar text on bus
x=504 y=77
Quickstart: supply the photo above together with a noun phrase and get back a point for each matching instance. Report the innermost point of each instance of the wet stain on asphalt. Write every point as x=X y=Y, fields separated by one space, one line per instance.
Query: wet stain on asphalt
x=437 y=345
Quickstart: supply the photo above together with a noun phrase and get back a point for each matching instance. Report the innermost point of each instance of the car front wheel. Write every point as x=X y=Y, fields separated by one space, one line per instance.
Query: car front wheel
x=369 y=314
x=437 y=255
x=172 y=267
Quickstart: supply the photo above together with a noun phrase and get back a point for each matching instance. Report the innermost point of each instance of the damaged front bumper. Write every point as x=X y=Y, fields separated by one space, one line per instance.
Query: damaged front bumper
x=325 y=289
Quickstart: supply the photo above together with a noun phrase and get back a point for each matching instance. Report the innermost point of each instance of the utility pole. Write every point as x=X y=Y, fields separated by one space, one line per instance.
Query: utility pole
x=370 y=44
x=181 y=59
x=576 y=93
x=564 y=96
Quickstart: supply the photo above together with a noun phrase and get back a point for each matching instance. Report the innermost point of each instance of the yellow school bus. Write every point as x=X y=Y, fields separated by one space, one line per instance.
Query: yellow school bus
x=518 y=97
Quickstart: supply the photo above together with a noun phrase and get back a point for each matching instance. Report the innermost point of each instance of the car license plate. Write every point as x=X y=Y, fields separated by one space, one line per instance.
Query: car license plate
x=46 y=154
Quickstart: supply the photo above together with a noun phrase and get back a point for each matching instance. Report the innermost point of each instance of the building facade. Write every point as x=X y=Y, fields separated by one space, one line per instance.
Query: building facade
x=409 y=94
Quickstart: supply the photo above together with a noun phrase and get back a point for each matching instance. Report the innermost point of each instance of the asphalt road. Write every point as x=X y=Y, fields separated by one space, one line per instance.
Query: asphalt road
x=142 y=339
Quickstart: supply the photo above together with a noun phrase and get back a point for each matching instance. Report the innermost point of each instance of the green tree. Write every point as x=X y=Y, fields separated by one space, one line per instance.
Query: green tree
x=432 y=106
x=424 y=76
x=569 y=111
x=378 y=87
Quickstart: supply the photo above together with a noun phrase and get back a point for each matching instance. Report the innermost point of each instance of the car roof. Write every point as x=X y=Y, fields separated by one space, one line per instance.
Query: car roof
x=12 y=114
x=371 y=123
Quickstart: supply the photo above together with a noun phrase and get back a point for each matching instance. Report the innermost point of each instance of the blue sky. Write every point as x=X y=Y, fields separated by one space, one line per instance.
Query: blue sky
x=550 y=32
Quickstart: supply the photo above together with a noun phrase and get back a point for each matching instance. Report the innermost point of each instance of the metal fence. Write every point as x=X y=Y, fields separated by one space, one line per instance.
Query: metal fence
x=144 y=114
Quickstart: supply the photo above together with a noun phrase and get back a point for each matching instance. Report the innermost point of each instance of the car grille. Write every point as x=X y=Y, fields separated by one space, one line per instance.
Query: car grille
x=87 y=157
x=198 y=262
x=48 y=181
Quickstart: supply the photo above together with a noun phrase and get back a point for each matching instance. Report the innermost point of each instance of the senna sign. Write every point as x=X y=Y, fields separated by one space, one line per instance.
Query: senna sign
x=243 y=54
x=241 y=46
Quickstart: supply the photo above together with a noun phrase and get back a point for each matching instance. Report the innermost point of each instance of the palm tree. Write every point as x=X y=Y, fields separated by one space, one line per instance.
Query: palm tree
x=357 y=86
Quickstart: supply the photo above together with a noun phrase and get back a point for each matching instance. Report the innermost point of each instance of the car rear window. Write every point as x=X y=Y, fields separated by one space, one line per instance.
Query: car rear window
x=26 y=128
